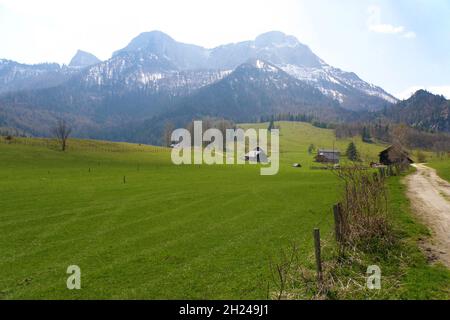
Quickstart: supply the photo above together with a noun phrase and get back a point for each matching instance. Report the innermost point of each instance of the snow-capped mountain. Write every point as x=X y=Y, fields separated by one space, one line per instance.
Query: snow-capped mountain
x=148 y=71
x=284 y=51
x=156 y=76
x=154 y=60
x=340 y=85
x=254 y=88
x=287 y=53
x=16 y=76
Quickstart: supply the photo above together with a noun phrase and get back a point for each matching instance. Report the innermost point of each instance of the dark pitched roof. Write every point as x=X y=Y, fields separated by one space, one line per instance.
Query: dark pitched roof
x=329 y=152
x=402 y=154
x=401 y=150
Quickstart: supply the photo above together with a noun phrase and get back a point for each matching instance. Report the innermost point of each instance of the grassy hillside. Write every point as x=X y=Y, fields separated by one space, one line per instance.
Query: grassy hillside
x=165 y=231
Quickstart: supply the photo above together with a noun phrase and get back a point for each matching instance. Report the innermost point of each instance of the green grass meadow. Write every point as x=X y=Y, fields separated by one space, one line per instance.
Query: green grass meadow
x=169 y=232
x=442 y=166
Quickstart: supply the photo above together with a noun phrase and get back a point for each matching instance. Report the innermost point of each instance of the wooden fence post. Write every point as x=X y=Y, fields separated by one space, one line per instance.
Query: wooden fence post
x=317 y=252
x=337 y=222
x=376 y=177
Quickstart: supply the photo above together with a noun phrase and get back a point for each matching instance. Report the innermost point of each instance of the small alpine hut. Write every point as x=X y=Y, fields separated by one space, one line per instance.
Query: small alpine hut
x=328 y=156
x=395 y=155
x=257 y=155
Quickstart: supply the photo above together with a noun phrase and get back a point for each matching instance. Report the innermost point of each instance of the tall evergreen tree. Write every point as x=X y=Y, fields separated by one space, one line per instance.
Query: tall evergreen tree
x=366 y=137
x=271 y=124
x=352 y=153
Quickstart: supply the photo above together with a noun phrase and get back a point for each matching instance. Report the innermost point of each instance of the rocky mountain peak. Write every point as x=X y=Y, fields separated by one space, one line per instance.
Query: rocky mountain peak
x=83 y=59
x=275 y=38
x=154 y=41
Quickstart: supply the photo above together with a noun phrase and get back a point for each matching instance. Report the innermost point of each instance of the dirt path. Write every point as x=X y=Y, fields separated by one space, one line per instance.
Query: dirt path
x=430 y=199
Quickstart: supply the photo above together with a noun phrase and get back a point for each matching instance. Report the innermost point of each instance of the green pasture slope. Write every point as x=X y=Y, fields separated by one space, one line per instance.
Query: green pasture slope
x=168 y=232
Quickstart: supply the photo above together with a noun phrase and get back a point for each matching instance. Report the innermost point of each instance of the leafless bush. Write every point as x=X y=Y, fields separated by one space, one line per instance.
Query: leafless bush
x=342 y=279
x=292 y=280
x=364 y=210
x=61 y=131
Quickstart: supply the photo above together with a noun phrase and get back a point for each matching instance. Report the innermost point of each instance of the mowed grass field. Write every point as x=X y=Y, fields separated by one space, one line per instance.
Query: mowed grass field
x=167 y=232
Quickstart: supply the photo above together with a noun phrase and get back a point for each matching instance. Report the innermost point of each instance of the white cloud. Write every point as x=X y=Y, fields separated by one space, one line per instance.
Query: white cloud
x=375 y=25
x=407 y=93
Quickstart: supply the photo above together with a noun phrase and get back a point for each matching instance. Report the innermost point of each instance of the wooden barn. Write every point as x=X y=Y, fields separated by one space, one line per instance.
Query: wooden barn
x=394 y=155
x=328 y=156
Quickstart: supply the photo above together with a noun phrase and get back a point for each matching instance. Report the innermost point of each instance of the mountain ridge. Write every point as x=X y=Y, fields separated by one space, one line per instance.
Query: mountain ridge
x=283 y=50
x=423 y=110
x=155 y=75
x=276 y=47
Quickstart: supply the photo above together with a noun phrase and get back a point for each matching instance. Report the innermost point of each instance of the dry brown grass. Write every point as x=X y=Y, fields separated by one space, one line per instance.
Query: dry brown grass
x=365 y=223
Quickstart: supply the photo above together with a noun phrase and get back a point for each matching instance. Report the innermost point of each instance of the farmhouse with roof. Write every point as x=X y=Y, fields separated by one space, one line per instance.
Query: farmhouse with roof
x=328 y=156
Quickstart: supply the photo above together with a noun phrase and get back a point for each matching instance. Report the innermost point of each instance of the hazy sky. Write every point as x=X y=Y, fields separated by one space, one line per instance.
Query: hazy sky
x=399 y=45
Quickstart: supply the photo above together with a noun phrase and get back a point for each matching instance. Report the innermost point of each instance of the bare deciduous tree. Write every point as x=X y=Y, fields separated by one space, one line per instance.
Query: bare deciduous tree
x=61 y=132
x=169 y=127
x=399 y=135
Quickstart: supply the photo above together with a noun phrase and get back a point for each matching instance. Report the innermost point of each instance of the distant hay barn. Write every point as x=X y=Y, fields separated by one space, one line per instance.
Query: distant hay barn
x=328 y=156
x=394 y=155
x=257 y=155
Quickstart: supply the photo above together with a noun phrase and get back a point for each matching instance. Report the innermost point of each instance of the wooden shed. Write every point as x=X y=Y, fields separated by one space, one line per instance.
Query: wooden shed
x=395 y=155
x=328 y=156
